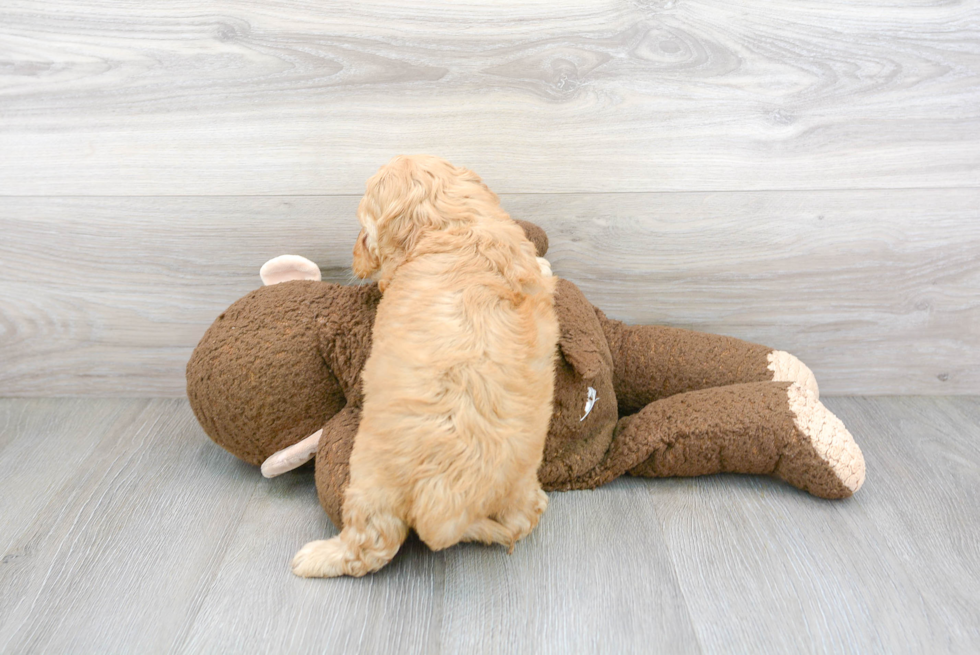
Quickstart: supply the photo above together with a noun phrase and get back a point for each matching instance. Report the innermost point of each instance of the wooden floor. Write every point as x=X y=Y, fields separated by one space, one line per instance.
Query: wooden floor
x=123 y=529
x=800 y=174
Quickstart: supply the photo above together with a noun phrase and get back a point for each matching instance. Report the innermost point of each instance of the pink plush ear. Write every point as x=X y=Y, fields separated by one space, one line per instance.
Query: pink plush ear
x=288 y=267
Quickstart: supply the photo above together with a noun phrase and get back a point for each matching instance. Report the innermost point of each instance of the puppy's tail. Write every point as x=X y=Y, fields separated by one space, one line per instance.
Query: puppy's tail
x=371 y=536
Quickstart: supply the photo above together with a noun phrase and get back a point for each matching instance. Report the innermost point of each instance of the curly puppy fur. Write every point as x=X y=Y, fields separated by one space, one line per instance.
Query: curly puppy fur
x=458 y=387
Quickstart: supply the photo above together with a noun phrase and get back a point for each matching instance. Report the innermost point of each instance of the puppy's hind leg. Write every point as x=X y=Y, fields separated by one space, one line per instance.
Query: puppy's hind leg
x=488 y=531
x=514 y=522
x=371 y=536
x=527 y=505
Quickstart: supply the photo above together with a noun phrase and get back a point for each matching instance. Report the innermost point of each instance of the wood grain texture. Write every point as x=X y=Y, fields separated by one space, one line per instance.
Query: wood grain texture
x=926 y=507
x=607 y=584
x=309 y=98
x=875 y=290
x=34 y=473
x=148 y=538
x=256 y=605
x=757 y=578
x=118 y=559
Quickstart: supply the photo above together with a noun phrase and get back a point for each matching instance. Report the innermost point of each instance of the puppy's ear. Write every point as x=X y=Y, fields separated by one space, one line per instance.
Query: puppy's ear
x=408 y=216
x=366 y=261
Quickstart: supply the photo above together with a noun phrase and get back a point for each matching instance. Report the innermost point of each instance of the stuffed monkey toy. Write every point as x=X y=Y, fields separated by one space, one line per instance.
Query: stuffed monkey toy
x=276 y=381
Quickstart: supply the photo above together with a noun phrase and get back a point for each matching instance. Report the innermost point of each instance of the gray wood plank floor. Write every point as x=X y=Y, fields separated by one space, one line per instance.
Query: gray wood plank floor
x=123 y=529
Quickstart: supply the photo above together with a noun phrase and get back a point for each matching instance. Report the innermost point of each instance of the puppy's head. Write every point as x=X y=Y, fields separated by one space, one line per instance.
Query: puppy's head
x=409 y=197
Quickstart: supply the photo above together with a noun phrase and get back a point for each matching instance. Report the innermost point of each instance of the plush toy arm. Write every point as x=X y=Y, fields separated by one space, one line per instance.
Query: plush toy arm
x=769 y=428
x=654 y=362
x=293 y=457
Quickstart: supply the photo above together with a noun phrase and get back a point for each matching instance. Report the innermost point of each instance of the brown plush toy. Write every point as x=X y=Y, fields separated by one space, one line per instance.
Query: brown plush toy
x=276 y=379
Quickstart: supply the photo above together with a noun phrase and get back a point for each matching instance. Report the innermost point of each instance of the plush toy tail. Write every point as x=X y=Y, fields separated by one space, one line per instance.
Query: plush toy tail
x=768 y=428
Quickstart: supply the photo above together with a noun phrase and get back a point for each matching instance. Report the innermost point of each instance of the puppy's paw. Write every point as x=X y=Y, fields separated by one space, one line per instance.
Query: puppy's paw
x=540 y=502
x=521 y=520
x=320 y=559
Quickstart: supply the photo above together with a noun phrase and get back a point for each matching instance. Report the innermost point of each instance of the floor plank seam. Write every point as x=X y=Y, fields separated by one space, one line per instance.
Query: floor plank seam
x=180 y=643
x=673 y=570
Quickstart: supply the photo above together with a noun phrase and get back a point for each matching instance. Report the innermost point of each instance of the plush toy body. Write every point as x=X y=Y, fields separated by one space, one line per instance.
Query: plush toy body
x=284 y=363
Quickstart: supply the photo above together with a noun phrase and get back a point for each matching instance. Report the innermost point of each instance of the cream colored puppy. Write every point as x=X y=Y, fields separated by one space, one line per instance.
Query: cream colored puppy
x=459 y=383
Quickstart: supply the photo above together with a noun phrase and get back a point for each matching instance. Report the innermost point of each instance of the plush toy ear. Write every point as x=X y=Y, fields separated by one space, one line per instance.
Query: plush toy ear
x=581 y=353
x=535 y=235
x=288 y=267
x=582 y=340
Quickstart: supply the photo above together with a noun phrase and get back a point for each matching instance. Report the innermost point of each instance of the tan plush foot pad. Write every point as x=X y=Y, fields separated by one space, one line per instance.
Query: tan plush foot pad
x=830 y=439
x=787 y=368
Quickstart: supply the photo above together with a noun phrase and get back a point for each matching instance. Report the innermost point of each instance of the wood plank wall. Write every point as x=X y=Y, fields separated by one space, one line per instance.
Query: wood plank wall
x=801 y=174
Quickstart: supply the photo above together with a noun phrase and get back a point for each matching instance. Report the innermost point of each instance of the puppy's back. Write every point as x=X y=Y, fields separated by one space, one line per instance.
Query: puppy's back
x=461 y=370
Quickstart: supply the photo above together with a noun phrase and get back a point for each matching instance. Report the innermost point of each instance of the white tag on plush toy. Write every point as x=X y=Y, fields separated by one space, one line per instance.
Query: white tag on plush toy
x=589 y=403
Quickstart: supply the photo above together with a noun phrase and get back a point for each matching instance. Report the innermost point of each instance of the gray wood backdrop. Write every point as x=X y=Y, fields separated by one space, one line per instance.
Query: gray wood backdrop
x=802 y=174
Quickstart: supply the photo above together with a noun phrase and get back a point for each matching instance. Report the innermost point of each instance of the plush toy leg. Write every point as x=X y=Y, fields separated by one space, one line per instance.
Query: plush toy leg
x=654 y=362
x=333 y=461
x=771 y=428
x=763 y=428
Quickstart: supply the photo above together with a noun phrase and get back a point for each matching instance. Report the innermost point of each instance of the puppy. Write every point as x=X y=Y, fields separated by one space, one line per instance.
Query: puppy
x=459 y=383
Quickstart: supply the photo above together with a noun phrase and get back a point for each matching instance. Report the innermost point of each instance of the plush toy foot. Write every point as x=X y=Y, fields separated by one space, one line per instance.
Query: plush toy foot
x=826 y=461
x=787 y=368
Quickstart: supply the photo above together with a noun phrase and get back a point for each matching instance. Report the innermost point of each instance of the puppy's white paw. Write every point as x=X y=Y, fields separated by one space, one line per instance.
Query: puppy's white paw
x=545 y=266
x=320 y=559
